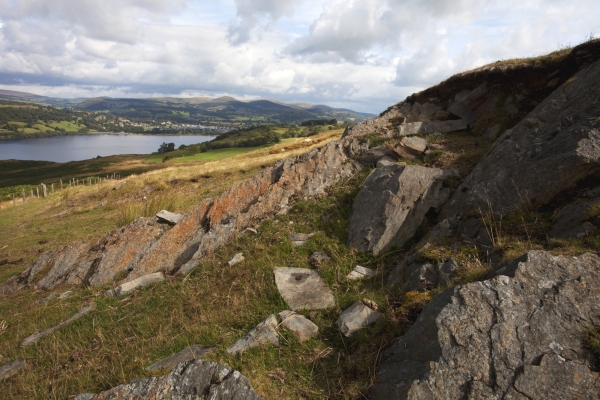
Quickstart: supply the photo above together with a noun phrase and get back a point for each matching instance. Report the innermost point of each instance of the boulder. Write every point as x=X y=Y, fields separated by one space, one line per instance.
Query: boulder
x=356 y=317
x=187 y=354
x=553 y=148
x=517 y=335
x=419 y=276
x=360 y=273
x=238 y=258
x=572 y=220
x=37 y=336
x=263 y=333
x=130 y=286
x=169 y=217
x=411 y=147
x=392 y=204
x=11 y=369
x=423 y=128
x=303 y=288
x=302 y=328
x=371 y=156
x=194 y=379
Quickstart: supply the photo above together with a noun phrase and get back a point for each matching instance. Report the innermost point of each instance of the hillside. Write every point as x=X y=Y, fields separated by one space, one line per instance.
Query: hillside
x=448 y=248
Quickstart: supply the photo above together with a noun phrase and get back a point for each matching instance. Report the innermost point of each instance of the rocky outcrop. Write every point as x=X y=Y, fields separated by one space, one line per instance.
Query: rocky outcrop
x=392 y=204
x=189 y=380
x=573 y=220
x=145 y=246
x=554 y=147
x=515 y=336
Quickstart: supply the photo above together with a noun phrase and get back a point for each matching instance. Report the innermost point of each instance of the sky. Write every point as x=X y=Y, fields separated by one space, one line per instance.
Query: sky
x=360 y=54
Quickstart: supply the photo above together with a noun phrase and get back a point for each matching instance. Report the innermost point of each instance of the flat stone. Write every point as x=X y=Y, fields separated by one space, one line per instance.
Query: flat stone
x=190 y=353
x=357 y=317
x=238 y=258
x=299 y=325
x=318 y=258
x=371 y=156
x=360 y=273
x=65 y=295
x=37 y=336
x=385 y=161
x=11 y=369
x=135 y=284
x=298 y=239
x=169 y=217
x=303 y=288
x=43 y=301
x=264 y=333
x=195 y=379
x=411 y=147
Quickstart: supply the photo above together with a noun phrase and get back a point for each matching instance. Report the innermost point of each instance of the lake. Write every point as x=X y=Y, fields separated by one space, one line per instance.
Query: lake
x=84 y=147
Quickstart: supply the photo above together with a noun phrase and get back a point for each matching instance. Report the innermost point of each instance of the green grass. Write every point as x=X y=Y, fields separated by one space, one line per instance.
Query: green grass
x=180 y=156
x=66 y=125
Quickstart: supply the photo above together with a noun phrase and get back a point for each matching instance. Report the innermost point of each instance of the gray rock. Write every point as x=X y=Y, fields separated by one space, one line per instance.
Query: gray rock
x=371 y=156
x=298 y=239
x=411 y=147
x=425 y=275
x=65 y=295
x=43 y=301
x=392 y=204
x=238 y=258
x=517 y=336
x=360 y=273
x=263 y=333
x=318 y=258
x=461 y=110
x=190 y=353
x=169 y=217
x=385 y=162
x=357 y=317
x=84 y=396
x=492 y=132
x=298 y=324
x=11 y=369
x=571 y=221
x=553 y=148
x=119 y=185
x=194 y=379
x=303 y=288
x=130 y=286
x=37 y=336
x=422 y=128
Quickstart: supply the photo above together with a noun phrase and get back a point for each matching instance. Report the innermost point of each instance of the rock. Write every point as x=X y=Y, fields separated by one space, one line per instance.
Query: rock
x=37 y=336
x=419 y=276
x=411 y=147
x=119 y=185
x=461 y=110
x=371 y=304
x=303 y=288
x=371 y=156
x=360 y=273
x=299 y=325
x=194 y=379
x=553 y=148
x=298 y=239
x=11 y=369
x=357 y=317
x=130 y=286
x=65 y=295
x=238 y=258
x=517 y=335
x=422 y=128
x=318 y=258
x=187 y=354
x=385 y=162
x=263 y=333
x=43 y=301
x=492 y=132
x=571 y=221
x=251 y=230
x=392 y=204
x=169 y=217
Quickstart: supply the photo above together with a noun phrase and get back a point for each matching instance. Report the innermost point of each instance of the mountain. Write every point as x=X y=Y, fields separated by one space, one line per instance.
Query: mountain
x=37 y=99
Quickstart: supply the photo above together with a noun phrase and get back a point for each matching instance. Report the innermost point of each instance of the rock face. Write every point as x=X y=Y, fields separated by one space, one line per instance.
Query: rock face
x=553 y=148
x=392 y=204
x=422 y=128
x=145 y=247
x=189 y=380
x=506 y=338
x=303 y=288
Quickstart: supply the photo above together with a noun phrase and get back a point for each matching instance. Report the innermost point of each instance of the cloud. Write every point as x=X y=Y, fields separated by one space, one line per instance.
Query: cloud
x=256 y=14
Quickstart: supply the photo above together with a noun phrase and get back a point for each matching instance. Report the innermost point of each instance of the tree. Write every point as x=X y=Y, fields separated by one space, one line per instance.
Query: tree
x=166 y=147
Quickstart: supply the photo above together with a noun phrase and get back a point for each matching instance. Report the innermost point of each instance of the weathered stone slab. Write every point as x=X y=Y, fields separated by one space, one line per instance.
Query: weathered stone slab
x=517 y=335
x=411 y=147
x=190 y=353
x=318 y=258
x=360 y=273
x=303 y=288
x=357 y=317
x=195 y=379
x=11 y=369
x=130 y=286
x=37 y=336
x=264 y=333
x=236 y=259
x=169 y=217
x=299 y=325
x=422 y=128
x=392 y=204
x=65 y=295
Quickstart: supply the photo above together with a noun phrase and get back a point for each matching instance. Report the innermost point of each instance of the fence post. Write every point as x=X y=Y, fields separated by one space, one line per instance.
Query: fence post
x=61 y=185
x=32 y=193
x=44 y=190
x=53 y=188
x=37 y=191
x=23 y=195
x=14 y=202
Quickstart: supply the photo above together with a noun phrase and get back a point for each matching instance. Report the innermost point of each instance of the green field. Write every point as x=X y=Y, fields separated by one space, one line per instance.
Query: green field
x=66 y=125
x=211 y=155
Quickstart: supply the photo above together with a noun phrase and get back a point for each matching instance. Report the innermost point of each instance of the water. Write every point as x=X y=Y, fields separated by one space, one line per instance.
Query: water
x=84 y=147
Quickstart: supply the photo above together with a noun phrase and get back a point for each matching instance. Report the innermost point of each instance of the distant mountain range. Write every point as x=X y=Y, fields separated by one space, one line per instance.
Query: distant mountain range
x=197 y=109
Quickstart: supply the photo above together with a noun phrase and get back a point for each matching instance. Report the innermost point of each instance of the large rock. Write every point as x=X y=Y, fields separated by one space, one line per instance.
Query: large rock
x=392 y=204
x=572 y=220
x=423 y=128
x=189 y=380
x=145 y=246
x=511 y=337
x=550 y=150
x=303 y=288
